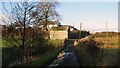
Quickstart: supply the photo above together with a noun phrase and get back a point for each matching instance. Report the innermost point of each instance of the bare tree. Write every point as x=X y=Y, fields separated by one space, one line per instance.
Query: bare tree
x=46 y=11
x=19 y=13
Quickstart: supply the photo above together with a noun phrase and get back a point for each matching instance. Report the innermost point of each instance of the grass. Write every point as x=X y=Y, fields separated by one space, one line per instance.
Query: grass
x=109 y=57
x=55 y=43
x=0 y=52
x=5 y=44
x=105 y=53
x=108 y=42
x=0 y=42
x=43 y=60
x=87 y=57
x=110 y=48
x=45 y=50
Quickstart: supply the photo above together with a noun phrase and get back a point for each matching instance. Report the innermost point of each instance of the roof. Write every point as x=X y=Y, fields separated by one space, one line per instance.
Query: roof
x=52 y=22
x=62 y=27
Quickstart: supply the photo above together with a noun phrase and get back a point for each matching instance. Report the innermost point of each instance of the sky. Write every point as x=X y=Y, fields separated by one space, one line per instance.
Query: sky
x=93 y=14
x=64 y=0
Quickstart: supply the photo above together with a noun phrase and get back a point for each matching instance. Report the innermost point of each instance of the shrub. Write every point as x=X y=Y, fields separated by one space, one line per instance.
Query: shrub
x=106 y=34
x=76 y=34
x=88 y=51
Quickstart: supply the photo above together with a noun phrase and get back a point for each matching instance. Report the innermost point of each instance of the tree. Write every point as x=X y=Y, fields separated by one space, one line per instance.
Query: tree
x=23 y=14
x=19 y=13
x=46 y=11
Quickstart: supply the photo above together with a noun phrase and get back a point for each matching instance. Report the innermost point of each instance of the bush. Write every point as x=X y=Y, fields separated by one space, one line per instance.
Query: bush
x=10 y=54
x=88 y=51
x=76 y=34
x=35 y=48
x=106 y=34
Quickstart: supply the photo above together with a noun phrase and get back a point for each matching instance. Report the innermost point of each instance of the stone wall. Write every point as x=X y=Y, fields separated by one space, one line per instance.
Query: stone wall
x=58 y=34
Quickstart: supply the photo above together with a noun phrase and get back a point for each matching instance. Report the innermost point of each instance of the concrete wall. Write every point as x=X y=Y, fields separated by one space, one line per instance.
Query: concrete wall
x=58 y=34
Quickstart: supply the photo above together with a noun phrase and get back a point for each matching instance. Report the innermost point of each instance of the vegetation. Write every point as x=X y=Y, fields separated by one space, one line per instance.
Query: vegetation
x=22 y=43
x=43 y=60
x=0 y=42
x=38 y=51
x=99 y=50
x=19 y=16
x=111 y=48
x=76 y=34
x=88 y=53
x=111 y=40
x=105 y=34
x=45 y=12
x=108 y=42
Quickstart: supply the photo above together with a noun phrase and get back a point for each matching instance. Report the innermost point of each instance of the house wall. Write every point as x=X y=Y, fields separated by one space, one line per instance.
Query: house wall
x=58 y=34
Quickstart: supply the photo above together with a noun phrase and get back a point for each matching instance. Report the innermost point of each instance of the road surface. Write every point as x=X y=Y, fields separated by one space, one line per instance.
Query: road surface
x=67 y=57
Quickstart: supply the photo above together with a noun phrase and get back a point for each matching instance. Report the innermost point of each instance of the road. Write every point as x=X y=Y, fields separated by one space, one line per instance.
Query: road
x=67 y=57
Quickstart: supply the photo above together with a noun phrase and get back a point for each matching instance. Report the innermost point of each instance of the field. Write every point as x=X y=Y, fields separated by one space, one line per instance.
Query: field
x=108 y=42
x=4 y=43
x=101 y=50
x=111 y=48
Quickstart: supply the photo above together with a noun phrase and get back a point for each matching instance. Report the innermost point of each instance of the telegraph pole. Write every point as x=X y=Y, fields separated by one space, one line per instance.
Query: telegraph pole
x=107 y=28
x=73 y=24
x=80 y=30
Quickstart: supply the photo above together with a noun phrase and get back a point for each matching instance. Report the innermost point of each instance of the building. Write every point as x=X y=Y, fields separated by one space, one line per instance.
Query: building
x=51 y=24
x=61 y=32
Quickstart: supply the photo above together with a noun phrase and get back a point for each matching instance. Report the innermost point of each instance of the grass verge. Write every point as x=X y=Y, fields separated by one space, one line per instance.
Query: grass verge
x=43 y=60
